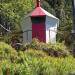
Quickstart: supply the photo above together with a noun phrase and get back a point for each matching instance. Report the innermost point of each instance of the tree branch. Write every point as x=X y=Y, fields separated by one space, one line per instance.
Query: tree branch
x=4 y=28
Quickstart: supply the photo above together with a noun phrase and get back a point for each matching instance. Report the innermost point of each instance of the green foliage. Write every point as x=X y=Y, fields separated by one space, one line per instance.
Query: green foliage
x=57 y=50
x=35 y=53
x=11 y=13
x=7 y=52
x=48 y=8
x=33 y=62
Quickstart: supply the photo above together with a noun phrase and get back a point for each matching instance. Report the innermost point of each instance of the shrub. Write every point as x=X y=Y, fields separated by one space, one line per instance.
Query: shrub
x=35 y=53
x=41 y=66
x=34 y=62
x=7 y=52
x=57 y=50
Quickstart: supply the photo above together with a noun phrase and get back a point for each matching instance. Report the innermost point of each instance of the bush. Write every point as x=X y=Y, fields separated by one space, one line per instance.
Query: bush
x=33 y=62
x=35 y=53
x=57 y=50
x=7 y=52
x=34 y=65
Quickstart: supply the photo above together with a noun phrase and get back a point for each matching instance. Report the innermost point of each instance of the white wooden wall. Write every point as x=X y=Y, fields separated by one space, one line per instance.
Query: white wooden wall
x=51 y=27
x=27 y=30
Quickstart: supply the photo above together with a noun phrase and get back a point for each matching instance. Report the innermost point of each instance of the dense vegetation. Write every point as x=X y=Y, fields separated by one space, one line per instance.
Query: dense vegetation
x=33 y=62
x=56 y=50
x=11 y=13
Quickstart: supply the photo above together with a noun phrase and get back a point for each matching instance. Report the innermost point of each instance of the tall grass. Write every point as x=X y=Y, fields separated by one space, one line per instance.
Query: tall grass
x=57 y=49
x=33 y=62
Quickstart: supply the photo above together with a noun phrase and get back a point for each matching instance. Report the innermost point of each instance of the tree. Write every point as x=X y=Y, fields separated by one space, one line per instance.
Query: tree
x=11 y=13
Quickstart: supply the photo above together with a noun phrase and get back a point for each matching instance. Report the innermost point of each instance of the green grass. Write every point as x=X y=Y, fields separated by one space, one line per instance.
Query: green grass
x=33 y=62
x=57 y=49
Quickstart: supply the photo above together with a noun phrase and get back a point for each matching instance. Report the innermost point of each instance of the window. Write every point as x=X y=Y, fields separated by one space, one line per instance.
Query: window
x=38 y=19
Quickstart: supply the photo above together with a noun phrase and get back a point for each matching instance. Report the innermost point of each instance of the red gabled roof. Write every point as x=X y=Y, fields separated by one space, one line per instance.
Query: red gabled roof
x=38 y=12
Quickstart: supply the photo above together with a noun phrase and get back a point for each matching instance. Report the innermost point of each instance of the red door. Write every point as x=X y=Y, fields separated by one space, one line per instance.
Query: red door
x=39 y=32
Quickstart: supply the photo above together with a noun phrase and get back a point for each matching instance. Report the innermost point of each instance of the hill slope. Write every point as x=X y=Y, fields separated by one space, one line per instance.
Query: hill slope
x=33 y=62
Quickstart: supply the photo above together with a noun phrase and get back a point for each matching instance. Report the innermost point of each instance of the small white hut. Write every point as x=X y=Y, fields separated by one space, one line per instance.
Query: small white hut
x=40 y=24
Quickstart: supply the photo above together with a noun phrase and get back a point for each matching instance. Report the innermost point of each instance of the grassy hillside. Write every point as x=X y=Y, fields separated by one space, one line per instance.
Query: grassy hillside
x=33 y=62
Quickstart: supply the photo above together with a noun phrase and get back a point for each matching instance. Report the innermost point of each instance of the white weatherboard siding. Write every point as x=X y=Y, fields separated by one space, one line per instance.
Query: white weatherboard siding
x=27 y=24
x=24 y=38
x=29 y=36
x=27 y=30
x=47 y=36
x=51 y=29
x=52 y=36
